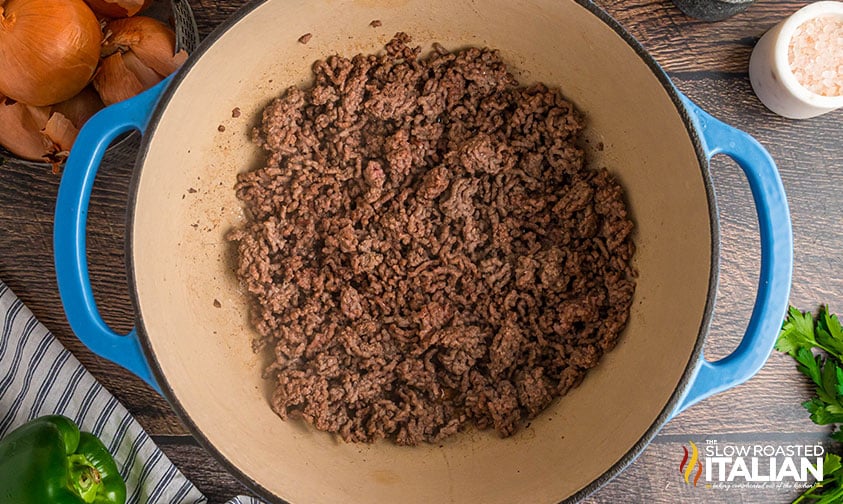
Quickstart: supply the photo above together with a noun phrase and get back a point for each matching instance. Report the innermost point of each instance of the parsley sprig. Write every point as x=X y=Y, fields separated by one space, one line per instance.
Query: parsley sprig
x=817 y=346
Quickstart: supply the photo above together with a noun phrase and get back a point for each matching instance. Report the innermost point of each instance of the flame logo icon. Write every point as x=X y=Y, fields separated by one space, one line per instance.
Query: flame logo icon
x=686 y=467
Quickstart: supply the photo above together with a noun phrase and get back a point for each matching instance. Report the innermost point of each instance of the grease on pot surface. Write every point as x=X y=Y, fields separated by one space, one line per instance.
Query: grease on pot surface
x=426 y=248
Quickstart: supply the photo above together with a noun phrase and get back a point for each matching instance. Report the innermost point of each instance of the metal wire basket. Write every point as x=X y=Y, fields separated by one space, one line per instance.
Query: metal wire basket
x=179 y=15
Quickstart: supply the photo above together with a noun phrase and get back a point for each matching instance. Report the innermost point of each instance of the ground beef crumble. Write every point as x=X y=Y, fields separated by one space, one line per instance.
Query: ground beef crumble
x=426 y=248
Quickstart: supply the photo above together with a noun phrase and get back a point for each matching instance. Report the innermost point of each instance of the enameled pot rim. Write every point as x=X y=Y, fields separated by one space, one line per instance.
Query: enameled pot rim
x=690 y=368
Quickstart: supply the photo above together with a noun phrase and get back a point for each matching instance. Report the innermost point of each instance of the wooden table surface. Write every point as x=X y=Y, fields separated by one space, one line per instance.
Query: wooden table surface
x=708 y=62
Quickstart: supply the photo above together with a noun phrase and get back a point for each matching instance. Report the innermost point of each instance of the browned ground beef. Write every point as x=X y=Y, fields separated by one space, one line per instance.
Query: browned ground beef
x=426 y=248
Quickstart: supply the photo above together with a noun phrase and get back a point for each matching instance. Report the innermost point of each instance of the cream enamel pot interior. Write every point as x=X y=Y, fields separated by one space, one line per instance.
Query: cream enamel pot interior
x=182 y=204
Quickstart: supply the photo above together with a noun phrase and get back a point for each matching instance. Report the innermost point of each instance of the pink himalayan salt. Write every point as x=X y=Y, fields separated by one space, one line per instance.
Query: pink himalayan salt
x=816 y=55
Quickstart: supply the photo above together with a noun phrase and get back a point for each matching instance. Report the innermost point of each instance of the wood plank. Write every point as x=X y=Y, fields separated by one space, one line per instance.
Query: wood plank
x=683 y=44
x=708 y=62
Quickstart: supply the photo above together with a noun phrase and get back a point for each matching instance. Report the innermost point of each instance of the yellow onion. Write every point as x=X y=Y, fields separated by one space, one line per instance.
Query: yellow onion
x=138 y=52
x=118 y=8
x=49 y=49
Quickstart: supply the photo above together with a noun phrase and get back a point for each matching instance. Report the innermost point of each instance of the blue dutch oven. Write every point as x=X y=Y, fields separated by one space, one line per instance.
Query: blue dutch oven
x=192 y=339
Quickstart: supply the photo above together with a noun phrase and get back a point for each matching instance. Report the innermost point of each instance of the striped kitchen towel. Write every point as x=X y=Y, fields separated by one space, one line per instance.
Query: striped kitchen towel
x=38 y=376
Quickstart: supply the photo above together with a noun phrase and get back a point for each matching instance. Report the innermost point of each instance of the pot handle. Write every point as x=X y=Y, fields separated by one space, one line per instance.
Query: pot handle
x=776 y=258
x=69 y=228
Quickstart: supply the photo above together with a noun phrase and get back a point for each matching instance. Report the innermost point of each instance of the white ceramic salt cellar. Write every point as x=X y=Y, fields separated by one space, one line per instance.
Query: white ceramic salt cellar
x=771 y=74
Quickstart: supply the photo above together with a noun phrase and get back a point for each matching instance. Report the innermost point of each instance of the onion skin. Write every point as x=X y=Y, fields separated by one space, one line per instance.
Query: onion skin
x=137 y=54
x=153 y=42
x=46 y=134
x=61 y=133
x=118 y=8
x=147 y=76
x=49 y=49
x=114 y=81
x=81 y=107
x=21 y=131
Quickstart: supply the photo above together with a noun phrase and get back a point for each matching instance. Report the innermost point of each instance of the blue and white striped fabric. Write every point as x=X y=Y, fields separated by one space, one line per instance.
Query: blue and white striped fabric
x=38 y=376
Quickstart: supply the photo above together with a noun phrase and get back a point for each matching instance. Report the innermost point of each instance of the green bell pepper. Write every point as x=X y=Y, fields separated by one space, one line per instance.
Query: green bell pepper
x=48 y=461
